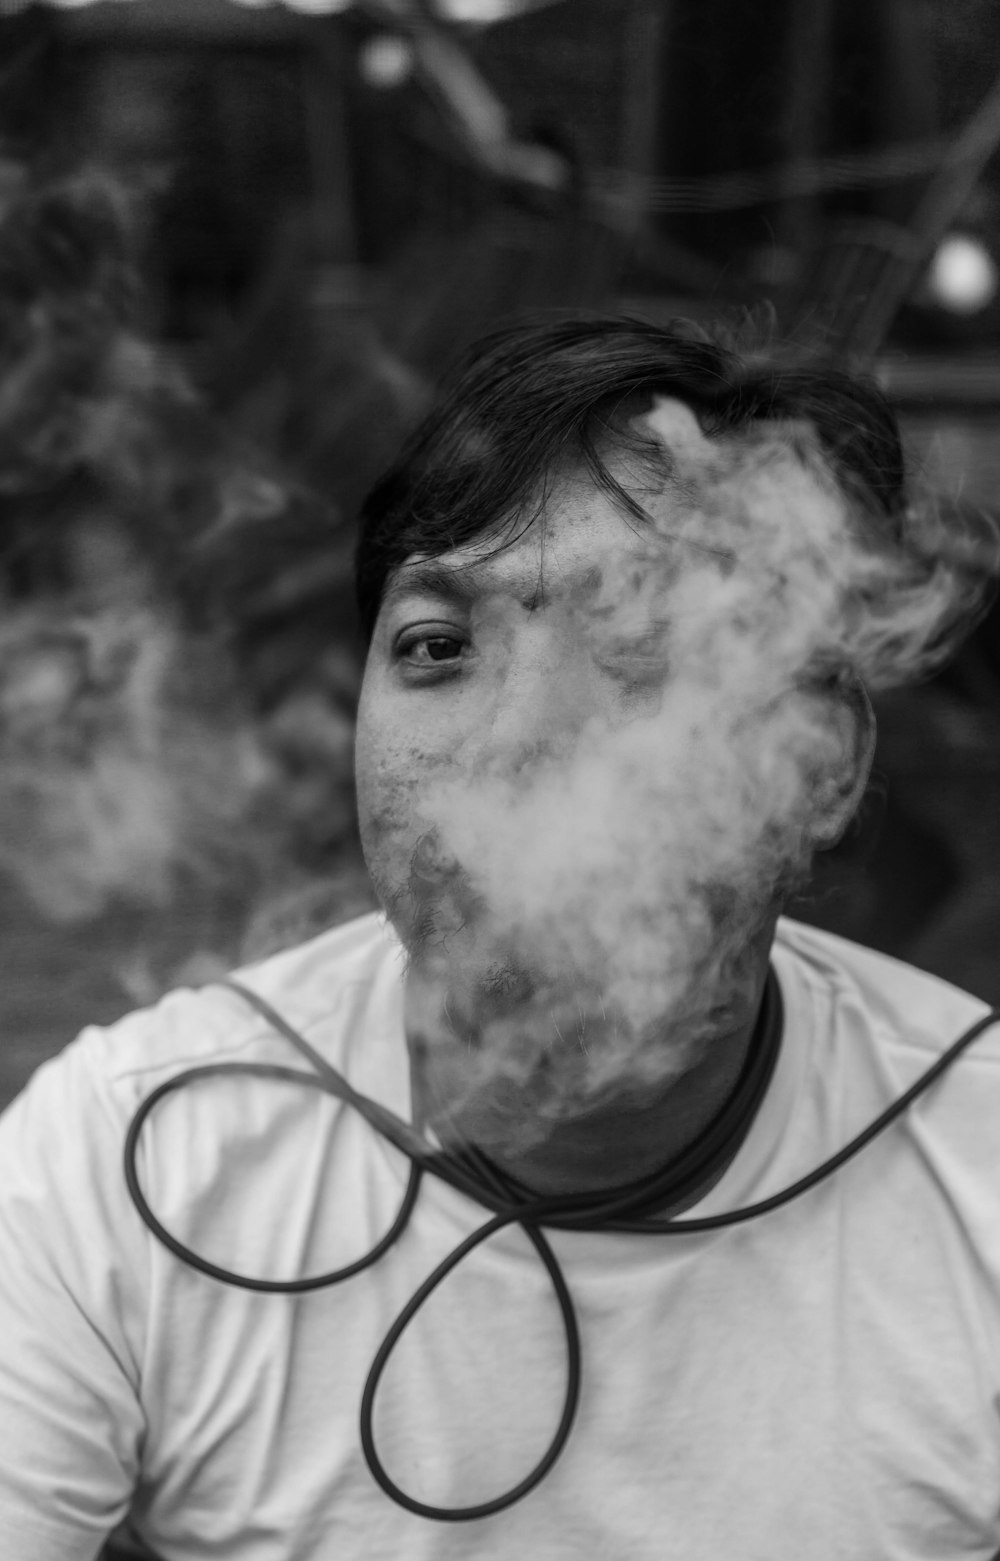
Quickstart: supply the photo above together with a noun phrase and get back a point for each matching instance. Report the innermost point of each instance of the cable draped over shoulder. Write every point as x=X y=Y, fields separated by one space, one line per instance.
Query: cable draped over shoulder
x=634 y=1208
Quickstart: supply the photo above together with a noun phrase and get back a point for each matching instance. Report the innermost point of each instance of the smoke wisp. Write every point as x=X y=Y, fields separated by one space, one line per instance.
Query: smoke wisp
x=581 y=921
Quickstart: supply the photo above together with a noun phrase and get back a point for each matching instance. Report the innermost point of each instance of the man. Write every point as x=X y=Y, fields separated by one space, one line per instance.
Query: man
x=624 y=594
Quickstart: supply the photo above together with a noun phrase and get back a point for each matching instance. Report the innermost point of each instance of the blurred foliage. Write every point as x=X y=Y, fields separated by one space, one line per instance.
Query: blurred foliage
x=177 y=664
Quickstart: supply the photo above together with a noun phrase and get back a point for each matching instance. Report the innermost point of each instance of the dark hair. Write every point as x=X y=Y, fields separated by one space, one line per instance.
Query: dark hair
x=533 y=396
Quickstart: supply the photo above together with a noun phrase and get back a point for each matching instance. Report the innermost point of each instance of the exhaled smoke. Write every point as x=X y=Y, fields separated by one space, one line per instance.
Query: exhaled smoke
x=581 y=926
x=112 y=782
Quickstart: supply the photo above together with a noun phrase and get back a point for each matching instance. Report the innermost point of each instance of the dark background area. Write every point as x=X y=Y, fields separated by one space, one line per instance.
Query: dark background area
x=237 y=247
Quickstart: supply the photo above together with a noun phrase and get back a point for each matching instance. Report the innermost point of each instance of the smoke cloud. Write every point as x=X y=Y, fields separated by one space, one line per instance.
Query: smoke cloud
x=581 y=924
x=112 y=779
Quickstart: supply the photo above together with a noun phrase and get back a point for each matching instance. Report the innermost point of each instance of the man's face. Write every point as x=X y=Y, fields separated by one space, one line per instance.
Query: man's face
x=488 y=658
x=588 y=760
x=487 y=671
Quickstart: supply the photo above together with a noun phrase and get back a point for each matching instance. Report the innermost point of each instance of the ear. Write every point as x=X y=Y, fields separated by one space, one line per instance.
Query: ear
x=841 y=793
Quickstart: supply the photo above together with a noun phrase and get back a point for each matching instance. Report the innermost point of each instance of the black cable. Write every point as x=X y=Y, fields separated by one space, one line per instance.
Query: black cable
x=571 y=1399
x=626 y=1209
x=193 y=1259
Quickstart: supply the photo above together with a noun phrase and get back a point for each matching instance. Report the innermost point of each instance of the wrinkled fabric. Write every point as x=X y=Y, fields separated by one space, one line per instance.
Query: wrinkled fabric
x=822 y=1382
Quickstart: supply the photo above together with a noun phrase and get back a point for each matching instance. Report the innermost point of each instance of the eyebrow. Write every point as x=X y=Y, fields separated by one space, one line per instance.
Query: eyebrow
x=463 y=583
x=430 y=577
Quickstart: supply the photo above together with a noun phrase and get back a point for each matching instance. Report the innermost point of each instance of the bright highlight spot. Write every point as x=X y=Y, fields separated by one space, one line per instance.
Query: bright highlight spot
x=963 y=275
x=386 y=60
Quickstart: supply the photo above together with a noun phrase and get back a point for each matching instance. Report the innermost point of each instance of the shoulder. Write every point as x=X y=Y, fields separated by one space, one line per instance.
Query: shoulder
x=861 y=990
x=871 y=1029
x=327 y=988
x=314 y=985
x=62 y=1140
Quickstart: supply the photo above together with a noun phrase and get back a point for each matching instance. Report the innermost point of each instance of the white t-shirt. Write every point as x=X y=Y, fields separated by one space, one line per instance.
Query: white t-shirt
x=822 y=1382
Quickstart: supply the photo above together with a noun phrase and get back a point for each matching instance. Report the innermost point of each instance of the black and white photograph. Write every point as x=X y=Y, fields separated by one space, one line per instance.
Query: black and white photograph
x=499 y=780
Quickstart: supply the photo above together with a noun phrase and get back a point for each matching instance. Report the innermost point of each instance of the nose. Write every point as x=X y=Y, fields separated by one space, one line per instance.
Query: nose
x=543 y=695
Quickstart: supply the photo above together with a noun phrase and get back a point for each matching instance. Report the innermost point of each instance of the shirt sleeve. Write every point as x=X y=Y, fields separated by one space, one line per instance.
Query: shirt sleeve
x=73 y=1264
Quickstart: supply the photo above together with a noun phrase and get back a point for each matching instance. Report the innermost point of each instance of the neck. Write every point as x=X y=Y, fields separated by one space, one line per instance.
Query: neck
x=618 y=1142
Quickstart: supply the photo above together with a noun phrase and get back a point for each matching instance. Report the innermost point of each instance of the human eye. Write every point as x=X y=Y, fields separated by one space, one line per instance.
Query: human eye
x=430 y=649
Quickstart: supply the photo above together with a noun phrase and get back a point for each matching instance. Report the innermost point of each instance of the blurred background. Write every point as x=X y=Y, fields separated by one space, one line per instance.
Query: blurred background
x=238 y=244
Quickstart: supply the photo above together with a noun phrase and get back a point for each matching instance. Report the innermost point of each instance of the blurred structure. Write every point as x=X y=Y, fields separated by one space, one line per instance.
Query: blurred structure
x=214 y=334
